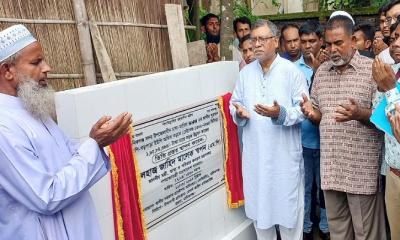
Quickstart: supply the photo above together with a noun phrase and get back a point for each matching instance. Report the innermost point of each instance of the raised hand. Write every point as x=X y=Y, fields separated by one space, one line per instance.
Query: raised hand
x=106 y=130
x=315 y=62
x=383 y=75
x=272 y=112
x=323 y=56
x=378 y=45
x=241 y=111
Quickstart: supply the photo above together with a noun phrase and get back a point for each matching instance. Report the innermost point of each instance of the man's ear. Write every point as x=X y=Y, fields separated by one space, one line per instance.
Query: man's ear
x=203 y=29
x=353 y=42
x=6 y=71
x=368 y=44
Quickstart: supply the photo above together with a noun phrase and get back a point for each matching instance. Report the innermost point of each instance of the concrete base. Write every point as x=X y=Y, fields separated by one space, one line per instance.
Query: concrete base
x=208 y=218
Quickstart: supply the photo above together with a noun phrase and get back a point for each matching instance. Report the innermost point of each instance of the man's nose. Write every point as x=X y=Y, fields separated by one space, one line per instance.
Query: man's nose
x=46 y=67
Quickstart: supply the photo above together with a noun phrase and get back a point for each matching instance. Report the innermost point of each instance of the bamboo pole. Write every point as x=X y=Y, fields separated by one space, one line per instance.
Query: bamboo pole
x=85 y=42
x=137 y=25
x=37 y=21
x=80 y=76
x=56 y=21
x=107 y=71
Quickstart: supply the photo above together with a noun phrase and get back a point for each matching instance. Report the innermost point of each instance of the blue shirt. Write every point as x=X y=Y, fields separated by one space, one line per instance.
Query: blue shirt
x=309 y=131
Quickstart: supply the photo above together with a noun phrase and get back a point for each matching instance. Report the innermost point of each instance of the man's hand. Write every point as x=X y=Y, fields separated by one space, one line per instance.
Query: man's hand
x=106 y=131
x=395 y=122
x=383 y=75
x=212 y=52
x=323 y=56
x=307 y=107
x=378 y=45
x=315 y=62
x=241 y=111
x=272 y=112
x=347 y=112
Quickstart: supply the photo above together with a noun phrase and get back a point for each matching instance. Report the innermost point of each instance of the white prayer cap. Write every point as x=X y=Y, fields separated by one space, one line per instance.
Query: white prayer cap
x=13 y=40
x=342 y=13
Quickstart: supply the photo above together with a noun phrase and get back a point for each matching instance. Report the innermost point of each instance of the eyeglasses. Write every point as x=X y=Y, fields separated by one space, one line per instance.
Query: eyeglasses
x=261 y=40
x=391 y=20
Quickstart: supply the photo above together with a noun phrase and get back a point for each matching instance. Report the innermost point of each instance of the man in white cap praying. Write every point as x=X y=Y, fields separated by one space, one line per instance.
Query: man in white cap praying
x=44 y=175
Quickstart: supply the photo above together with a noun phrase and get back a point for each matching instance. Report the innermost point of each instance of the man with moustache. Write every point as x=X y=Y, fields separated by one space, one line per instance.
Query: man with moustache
x=210 y=25
x=241 y=26
x=246 y=48
x=266 y=103
x=386 y=76
x=342 y=95
x=311 y=40
x=391 y=14
x=291 y=42
x=44 y=175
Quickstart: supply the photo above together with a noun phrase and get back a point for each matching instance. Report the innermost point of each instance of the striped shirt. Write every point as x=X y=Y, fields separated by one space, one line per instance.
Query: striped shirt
x=350 y=151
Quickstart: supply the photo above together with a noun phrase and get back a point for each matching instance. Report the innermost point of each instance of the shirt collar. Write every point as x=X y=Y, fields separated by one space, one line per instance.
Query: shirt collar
x=355 y=62
x=9 y=101
x=302 y=62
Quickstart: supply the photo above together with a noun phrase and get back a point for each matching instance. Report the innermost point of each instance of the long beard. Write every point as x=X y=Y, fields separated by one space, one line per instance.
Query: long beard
x=212 y=38
x=38 y=100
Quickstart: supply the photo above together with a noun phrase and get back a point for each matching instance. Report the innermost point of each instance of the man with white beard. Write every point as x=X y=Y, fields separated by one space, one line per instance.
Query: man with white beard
x=341 y=102
x=44 y=175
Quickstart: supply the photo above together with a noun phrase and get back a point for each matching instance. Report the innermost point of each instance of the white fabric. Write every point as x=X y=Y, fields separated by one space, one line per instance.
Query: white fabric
x=342 y=13
x=385 y=57
x=286 y=233
x=44 y=178
x=272 y=161
x=13 y=40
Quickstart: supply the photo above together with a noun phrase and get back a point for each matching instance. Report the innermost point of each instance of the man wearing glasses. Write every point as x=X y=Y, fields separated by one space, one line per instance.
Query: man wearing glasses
x=266 y=103
x=392 y=12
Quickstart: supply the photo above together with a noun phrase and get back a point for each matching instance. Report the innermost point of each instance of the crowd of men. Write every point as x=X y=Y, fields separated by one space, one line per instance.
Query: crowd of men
x=303 y=103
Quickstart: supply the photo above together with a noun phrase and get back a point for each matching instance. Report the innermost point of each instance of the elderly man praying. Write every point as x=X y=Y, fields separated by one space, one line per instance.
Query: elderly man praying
x=266 y=103
x=44 y=175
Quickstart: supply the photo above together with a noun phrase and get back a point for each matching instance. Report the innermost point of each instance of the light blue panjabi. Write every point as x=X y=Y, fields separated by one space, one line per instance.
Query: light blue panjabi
x=272 y=161
x=44 y=178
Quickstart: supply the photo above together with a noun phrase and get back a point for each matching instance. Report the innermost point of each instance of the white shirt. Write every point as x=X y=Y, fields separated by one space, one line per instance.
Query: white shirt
x=272 y=158
x=44 y=178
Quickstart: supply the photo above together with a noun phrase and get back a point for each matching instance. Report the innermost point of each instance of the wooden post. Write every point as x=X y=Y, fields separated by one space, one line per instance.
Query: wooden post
x=196 y=18
x=197 y=53
x=226 y=29
x=107 y=71
x=177 y=37
x=85 y=42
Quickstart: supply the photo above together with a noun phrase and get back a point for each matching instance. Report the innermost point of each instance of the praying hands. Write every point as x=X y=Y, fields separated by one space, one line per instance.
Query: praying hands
x=272 y=112
x=383 y=75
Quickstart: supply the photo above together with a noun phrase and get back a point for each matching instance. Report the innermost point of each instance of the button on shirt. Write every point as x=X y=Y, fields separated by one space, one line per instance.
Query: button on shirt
x=350 y=151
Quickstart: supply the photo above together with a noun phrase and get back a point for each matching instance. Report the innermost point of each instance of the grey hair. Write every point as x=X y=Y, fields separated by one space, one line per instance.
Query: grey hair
x=12 y=60
x=263 y=22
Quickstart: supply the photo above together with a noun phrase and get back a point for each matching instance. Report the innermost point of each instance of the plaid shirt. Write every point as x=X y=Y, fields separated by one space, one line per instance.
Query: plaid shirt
x=350 y=151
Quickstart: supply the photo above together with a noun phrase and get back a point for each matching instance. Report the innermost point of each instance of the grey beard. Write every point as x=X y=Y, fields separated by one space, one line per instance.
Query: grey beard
x=38 y=100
